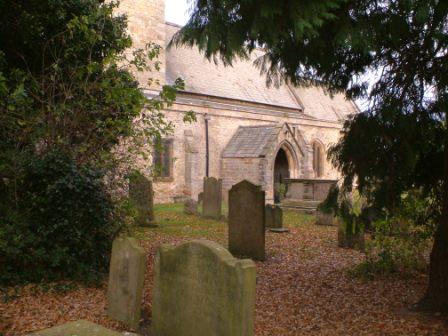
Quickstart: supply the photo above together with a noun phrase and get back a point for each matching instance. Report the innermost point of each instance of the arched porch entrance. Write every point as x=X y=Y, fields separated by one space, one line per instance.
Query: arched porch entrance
x=281 y=171
x=285 y=166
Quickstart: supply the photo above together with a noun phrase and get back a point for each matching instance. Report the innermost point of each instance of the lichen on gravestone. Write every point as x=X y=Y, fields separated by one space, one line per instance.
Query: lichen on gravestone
x=212 y=198
x=348 y=239
x=126 y=279
x=247 y=220
x=201 y=289
x=274 y=216
x=190 y=207
x=323 y=218
x=141 y=194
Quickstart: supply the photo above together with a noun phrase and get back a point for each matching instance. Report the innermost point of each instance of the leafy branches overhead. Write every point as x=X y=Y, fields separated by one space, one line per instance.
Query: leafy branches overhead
x=402 y=141
x=331 y=41
x=75 y=88
x=399 y=152
x=69 y=98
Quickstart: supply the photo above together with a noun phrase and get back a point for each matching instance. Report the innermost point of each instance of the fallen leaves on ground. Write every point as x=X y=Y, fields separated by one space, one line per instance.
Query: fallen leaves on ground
x=302 y=288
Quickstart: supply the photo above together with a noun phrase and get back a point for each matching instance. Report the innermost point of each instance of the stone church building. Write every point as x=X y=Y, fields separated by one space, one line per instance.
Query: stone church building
x=244 y=129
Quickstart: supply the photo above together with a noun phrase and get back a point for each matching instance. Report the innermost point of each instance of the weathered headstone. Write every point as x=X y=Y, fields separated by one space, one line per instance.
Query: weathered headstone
x=201 y=289
x=191 y=207
x=212 y=198
x=247 y=220
x=323 y=218
x=349 y=239
x=274 y=216
x=141 y=194
x=126 y=278
x=78 y=328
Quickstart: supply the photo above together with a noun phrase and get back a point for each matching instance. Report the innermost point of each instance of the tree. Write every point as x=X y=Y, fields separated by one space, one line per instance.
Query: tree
x=66 y=81
x=335 y=43
x=68 y=97
x=400 y=152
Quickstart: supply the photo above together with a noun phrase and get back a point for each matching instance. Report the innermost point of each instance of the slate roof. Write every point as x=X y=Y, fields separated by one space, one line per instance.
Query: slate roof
x=243 y=81
x=250 y=141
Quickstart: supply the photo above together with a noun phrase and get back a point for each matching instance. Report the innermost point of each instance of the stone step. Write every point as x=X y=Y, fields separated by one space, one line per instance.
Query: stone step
x=300 y=203
x=309 y=211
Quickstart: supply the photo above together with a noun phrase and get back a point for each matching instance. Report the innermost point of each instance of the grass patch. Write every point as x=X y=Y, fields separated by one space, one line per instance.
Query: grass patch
x=297 y=219
x=174 y=222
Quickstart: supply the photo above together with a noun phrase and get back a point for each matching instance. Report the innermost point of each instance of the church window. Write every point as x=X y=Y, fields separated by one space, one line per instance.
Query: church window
x=318 y=159
x=163 y=158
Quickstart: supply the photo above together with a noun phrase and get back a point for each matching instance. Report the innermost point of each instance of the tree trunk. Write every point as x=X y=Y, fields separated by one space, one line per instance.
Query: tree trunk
x=436 y=297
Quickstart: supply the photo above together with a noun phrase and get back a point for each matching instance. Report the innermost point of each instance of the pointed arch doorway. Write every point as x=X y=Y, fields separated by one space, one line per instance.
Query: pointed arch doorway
x=285 y=167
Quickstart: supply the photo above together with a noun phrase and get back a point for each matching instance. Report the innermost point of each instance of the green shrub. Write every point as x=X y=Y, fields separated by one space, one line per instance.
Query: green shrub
x=60 y=224
x=397 y=246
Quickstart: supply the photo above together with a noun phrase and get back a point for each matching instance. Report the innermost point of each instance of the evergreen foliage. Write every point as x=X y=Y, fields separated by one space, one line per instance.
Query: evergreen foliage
x=65 y=225
x=336 y=43
x=68 y=97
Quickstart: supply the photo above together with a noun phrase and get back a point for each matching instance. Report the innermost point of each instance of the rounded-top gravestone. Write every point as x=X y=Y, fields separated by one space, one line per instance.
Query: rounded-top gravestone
x=247 y=220
x=201 y=289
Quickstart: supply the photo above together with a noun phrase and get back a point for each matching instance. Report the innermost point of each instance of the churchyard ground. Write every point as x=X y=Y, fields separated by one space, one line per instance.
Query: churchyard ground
x=304 y=286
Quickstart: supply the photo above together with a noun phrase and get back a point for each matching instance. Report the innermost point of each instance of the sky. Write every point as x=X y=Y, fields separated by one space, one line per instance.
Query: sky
x=176 y=11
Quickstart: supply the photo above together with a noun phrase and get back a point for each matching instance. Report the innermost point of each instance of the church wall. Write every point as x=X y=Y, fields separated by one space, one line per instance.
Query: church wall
x=235 y=169
x=189 y=148
x=146 y=23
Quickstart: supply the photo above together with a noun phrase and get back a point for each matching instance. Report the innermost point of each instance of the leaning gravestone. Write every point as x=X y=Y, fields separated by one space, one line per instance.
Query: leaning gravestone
x=141 y=194
x=274 y=216
x=201 y=289
x=126 y=277
x=190 y=207
x=323 y=218
x=349 y=239
x=212 y=198
x=247 y=220
x=77 y=328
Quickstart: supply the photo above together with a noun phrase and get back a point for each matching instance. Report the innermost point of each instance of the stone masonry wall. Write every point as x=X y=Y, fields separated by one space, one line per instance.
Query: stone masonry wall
x=223 y=123
x=234 y=170
x=146 y=23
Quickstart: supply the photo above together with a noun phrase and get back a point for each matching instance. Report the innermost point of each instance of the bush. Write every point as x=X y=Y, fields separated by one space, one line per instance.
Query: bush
x=60 y=223
x=398 y=246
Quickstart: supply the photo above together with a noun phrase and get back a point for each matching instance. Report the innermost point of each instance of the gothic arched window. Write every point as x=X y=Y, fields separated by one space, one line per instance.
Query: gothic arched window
x=318 y=159
x=163 y=159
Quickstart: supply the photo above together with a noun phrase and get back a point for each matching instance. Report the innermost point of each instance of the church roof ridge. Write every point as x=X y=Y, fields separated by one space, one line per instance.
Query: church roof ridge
x=243 y=81
x=259 y=126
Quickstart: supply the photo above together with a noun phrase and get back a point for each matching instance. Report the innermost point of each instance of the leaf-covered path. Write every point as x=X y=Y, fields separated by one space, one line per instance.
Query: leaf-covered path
x=302 y=288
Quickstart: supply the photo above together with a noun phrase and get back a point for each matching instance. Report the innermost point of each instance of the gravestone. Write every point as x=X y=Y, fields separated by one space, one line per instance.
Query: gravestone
x=323 y=218
x=141 y=194
x=247 y=220
x=126 y=277
x=274 y=216
x=348 y=239
x=212 y=198
x=201 y=289
x=78 y=328
x=190 y=207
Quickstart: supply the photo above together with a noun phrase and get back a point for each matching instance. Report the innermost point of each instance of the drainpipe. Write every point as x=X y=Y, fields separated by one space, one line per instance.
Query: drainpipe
x=206 y=119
